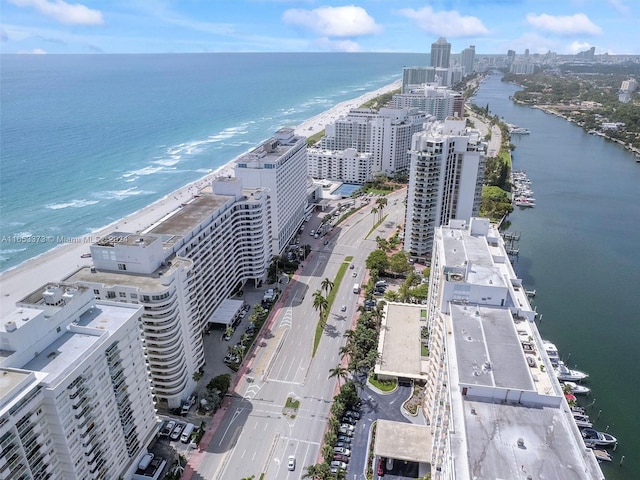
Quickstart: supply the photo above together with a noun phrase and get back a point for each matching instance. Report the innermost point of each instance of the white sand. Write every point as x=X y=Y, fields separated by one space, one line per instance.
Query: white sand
x=62 y=261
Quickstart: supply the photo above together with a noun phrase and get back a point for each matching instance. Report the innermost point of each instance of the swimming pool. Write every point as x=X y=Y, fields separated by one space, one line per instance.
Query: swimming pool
x=346 y=189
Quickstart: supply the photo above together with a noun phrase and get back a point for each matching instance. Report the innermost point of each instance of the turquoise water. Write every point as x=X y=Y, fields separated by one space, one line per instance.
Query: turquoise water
x=578 y=250
x=88 y=139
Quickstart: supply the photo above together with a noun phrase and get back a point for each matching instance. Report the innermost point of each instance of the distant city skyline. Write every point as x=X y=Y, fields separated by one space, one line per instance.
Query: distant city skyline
x=494 y=26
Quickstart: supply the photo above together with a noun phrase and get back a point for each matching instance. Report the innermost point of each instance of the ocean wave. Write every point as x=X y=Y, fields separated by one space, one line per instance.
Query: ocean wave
x=71 y=204
x=9 y=251
x=168 y=162
x=142 y=171
x=122 y=194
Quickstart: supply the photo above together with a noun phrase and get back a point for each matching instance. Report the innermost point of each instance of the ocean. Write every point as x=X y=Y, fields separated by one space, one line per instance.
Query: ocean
x=88 y=139
x=578 y=249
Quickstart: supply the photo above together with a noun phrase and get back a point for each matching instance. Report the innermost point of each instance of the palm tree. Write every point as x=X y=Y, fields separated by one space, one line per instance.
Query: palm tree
x=320 y=303
x=229 y=331
x=327 y=285
x=374 y=210
x=381 y=202
x=320 y=471
x=339 y=372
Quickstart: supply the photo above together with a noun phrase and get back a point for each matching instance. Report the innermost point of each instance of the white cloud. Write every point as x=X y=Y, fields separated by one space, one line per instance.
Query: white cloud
x=35 y=51
x=326 y=44
x=619 y=6
x=349 y=21
x=576 y=47
x=447 y=23
x=72 y=14
x=564 y=25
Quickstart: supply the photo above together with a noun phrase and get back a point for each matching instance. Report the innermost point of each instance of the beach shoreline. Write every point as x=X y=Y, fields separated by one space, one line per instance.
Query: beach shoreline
x=66 y=256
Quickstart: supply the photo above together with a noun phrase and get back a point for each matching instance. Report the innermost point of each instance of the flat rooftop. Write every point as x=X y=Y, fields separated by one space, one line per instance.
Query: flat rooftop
x=399 y=342
x=227 y=311
x=153 y=281
x=192 y=214
x=488 y=348
x=461 y=248
x=549 y=449
x=70 y=349
x=10 y=379
x=403 y=441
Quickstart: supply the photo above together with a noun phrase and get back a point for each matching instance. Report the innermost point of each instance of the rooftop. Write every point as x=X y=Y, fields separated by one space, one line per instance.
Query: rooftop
x=548 y=447
x=403 y=441
x=488 y=349
x=399 y=341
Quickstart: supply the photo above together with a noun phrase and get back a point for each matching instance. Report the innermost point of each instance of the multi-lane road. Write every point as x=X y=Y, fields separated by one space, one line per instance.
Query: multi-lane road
x=258 y=432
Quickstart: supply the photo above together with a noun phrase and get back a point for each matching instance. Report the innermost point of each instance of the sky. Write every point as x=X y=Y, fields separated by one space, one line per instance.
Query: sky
x=193 y=26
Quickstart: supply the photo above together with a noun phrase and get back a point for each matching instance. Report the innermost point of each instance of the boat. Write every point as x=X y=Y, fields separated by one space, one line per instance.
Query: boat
x=515 y=130
x=602 y=455
x=582 y=421
x=552 y=352
x=524 y=202
x=592 y=438
x=578 y=389
x=566 y=374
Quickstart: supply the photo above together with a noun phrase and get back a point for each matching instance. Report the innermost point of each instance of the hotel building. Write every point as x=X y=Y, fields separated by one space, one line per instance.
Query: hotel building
x=75 y=396
x=180 y=270
x=445 y=181
x=346 y=166
x=494 y=404
x=279 y=165
x=384 y=134
x=491 y=400
x=441 y=53
x=438 y=102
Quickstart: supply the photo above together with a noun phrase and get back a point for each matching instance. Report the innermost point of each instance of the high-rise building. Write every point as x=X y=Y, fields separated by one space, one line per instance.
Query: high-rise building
x=439 y=102
x=445 y=181
x=181 y=270
x=346 y=166
x=441 y=53
x=75 y=397
x=488 y=370
x=384 y=134
x=413 y=77
x=279 y=165
x=468 y=58
x=511 y=56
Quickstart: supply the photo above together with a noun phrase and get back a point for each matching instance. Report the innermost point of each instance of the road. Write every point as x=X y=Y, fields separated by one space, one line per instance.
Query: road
x=257 y=433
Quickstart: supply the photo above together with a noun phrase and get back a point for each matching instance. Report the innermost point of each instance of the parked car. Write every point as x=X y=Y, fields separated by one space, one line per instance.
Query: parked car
x=291 y=464
x=349 y=420
x=352 y=414
x=342 y=450
x=348 y=426
x=345 y=438
x=341 y=443
x=346 y=431
x=341 y=458
x=381 y=467
x=339 y=464
x=177 y=431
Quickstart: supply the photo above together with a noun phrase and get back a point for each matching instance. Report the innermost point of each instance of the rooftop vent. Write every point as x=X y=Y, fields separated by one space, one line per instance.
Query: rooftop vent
x=10 y=326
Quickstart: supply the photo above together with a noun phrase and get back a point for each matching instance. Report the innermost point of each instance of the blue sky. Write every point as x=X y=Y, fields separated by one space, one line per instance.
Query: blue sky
x=168 y=26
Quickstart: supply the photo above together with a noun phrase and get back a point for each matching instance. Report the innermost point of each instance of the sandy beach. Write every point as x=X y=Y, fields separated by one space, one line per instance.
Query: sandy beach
x=66 y=257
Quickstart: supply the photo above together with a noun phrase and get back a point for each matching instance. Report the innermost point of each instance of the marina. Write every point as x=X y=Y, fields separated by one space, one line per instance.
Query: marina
x=522 y=194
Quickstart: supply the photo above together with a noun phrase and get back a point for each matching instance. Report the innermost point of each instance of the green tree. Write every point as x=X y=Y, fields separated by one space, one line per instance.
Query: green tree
x=327 y=285
x=398 y=263
x=320 y=303
x=377 y=260
x=320 y=471
x=339 y=372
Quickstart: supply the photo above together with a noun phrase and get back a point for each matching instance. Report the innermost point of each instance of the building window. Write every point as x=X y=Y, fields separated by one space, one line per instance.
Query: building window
x=111 y=294
x=122 y=295
x=96 y=292
x=122 y=266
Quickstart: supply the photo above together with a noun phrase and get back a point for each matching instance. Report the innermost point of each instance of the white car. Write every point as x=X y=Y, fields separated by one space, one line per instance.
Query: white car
x=343 y=308
x=291 y=464
x=338 y=464
x=342 y=450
